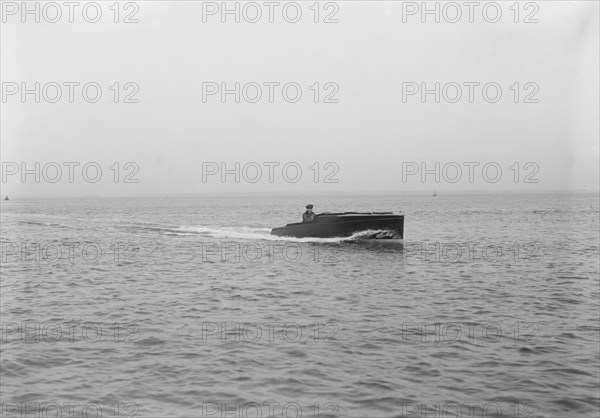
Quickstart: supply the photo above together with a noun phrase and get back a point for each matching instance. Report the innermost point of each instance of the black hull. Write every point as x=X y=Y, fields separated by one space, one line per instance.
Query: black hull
x=343 y=225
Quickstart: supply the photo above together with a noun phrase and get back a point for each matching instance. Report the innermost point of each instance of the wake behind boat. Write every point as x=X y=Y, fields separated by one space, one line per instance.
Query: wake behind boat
x=376 y=225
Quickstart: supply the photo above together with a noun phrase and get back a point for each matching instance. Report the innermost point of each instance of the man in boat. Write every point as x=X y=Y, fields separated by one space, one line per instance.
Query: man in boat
x=309 y=215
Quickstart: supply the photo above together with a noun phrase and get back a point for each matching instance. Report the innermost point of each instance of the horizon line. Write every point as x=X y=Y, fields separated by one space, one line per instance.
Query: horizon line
x=302 y=193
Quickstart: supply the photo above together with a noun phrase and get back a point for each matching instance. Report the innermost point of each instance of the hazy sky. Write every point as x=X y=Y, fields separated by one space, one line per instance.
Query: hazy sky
x=370 y=137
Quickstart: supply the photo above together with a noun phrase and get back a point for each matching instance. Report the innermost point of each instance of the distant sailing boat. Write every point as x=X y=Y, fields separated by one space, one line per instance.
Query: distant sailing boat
x=6 y=198
x=434 y=193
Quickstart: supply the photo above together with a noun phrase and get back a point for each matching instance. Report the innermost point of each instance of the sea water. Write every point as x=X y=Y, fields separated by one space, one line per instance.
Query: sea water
x=187 y=306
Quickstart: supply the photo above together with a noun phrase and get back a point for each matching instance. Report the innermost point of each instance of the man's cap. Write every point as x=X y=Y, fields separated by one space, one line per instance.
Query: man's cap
x=309 y=206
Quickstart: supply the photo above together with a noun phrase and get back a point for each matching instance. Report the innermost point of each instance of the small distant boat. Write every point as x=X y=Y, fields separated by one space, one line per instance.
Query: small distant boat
x=6 y=198
x=434 y=193
x=379 y=225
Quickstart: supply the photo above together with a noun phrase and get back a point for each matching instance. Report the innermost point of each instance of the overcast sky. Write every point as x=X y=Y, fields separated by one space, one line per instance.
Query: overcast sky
x=371 y=135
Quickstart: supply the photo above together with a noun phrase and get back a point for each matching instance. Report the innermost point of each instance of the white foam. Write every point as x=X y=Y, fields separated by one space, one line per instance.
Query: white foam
x=253 y=233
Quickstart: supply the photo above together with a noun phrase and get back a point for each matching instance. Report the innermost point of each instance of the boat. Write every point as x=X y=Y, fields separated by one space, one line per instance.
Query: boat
x=434 y=193
x=5 y=197
x=367 y=225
